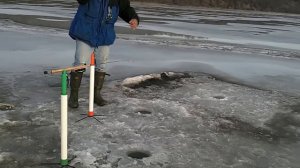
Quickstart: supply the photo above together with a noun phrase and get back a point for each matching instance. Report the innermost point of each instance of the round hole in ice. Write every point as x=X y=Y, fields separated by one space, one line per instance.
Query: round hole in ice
x=144 y=112
x=219 y=97
x=138 y=154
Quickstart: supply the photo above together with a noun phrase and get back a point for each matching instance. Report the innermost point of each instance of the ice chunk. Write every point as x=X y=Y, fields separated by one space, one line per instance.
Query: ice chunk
x=4 y=156
x=142 y=80
x=85 y=158
x=4 y=106
x=133 y=81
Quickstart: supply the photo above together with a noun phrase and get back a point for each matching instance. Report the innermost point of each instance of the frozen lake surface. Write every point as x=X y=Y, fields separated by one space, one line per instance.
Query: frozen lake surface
x=236 y=106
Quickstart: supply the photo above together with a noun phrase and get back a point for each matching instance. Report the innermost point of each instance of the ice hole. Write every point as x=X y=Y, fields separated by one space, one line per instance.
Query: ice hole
x=144 y=112
x=219 y=97
x=138 y=154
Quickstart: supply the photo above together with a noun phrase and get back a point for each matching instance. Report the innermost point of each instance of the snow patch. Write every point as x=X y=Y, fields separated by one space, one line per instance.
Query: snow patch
x=26 y=12
x=9 y=123
x=156 y=159
x=184 y=112
x=183 y=37
x=133 y=81
x=85 y=158
x=165 y=76
x=53 y=20
x=134 y=147
x=4 y=156
x=5 y=106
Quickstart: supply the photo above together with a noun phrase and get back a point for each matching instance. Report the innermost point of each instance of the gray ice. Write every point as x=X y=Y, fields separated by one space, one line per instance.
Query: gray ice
x=230 y=97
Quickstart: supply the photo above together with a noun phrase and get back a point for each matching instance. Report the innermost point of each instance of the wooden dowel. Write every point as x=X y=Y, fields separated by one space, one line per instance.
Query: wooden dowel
x=54 y=71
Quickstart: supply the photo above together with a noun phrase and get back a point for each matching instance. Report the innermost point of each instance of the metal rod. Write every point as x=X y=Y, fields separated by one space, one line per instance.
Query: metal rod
x=81 y=119
x=97 y=119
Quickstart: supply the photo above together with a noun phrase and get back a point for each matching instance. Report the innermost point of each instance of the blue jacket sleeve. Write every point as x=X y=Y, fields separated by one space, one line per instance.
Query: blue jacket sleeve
x=82 y=2
x=127 y=12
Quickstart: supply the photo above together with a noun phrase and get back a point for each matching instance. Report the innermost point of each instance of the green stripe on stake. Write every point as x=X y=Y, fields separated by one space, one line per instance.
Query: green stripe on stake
x=64 y=162
x=64 y=83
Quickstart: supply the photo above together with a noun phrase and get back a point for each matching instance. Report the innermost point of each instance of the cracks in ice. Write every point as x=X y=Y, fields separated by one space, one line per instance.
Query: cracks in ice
x=230 y=124
x=280 y=127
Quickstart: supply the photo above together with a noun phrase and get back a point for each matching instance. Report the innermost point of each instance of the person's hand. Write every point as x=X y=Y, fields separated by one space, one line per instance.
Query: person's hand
x=133 y=24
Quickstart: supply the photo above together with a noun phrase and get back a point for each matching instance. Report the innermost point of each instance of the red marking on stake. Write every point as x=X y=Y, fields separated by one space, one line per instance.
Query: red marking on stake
x=92 y=59
x=91 y=114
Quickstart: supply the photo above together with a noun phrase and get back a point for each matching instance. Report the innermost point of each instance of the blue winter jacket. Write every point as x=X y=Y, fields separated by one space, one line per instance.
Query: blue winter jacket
x=94 y=21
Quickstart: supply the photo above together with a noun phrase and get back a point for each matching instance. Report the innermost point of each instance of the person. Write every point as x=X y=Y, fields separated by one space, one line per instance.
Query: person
x=93 y=30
